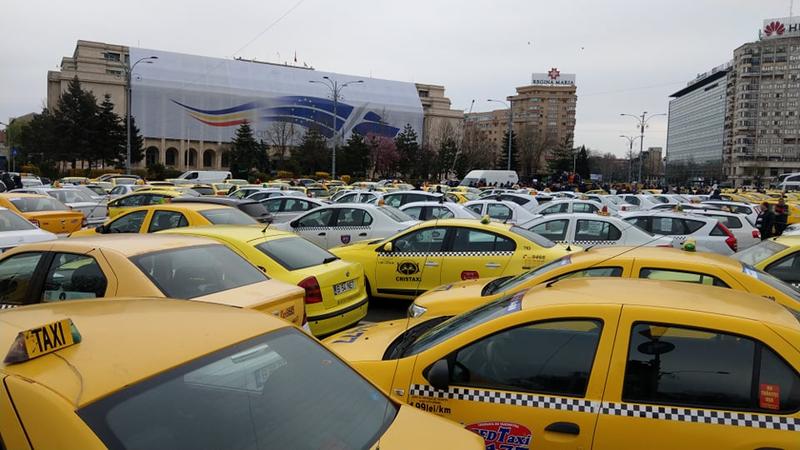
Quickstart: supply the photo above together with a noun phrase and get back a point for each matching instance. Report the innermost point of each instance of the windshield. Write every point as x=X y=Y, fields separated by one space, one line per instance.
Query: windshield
x=537 y=239
x=278 y=390
x=759 y=252
x=295 y=253
x=37 y=204
x=227 y=216
x=70 y=196
x=10 y=221
x=191 y=272
x=466 y=321
x=395 y=214
x=511 y=283
x=785 y=288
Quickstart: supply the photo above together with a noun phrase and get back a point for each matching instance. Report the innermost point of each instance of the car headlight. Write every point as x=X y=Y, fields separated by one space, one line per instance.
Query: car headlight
x=415 y=310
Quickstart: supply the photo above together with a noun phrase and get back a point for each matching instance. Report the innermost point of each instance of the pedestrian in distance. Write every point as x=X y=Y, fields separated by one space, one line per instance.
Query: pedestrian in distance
x=765 y=221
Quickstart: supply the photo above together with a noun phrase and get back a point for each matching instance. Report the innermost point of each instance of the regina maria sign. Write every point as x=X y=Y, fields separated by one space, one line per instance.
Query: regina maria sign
x=781 y=27
x=199 y=98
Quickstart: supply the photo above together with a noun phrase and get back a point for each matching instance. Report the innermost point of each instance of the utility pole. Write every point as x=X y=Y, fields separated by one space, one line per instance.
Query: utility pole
x=128 y=73
x=631 y=140
x=641 y=122
x=510 y=120
x=336 y=90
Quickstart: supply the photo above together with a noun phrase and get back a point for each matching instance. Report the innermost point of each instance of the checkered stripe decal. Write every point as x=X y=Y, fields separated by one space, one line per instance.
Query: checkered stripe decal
x=596 y=242
x=749 y=420
x=701 y=416
x=7 y=306
x=506 y=398
x=424 y=254
x=331 y=228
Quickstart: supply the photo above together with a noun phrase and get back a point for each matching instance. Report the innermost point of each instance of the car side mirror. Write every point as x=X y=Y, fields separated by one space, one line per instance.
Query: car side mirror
x=102 y=229
x=387 y=247
x=439 y=375
x=294 y=223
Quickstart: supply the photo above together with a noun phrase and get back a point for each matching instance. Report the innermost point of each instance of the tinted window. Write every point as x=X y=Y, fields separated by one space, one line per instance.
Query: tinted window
x=129 y=223
x=316 y=219
x=641 y=222
x=164 y=220
x=499 y=211
x=730 y=222
x=191 y=272
x=438 y=212
x=596 y=230
x=555 y=209
x=690 y=226
x=36 y=204
x=133 y=200
x=227 y=216
x=786 y=269
x=393 y=200
x=295 y=253
x=676 y=275
x=513 y=282
x=633 y=200
x=16 y=273
x=73 y=276
x=515 y=199
x=425 y=240
x=273 y=205
x=551 y=357
x=352 y=217
x=682 y=366
x=10 y=221
x=477 y=209
x=555 y=230
x=583 y=208
x=471 y=240
x=296 y=205
x=415 y=212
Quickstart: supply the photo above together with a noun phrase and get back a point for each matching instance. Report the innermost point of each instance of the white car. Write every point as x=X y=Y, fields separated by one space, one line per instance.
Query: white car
x=435 y=210
x=508 y=212
x=16 y=230
x=265 y=193
x=746 y=234
x=493 y=191
x=123 y=189
x=400 y=198
x=528 y=202
x=568 y=206
x=587 y=229
x=332 y=225
x=707 y=232
x=640 y=202
x=95 y=211
x=358 y=197
x=751 y=211
x=614 y=203
x=286 y=208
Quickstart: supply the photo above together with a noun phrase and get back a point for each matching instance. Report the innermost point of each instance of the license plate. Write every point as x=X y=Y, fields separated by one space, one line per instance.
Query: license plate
x=344 y=287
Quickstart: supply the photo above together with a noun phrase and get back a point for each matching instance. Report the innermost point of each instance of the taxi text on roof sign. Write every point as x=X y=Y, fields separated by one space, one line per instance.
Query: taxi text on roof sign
x=40 y=341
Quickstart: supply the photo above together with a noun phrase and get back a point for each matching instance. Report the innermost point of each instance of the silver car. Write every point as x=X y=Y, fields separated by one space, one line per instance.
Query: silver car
x=286 y=208
x=94 y=210
x=707 y=232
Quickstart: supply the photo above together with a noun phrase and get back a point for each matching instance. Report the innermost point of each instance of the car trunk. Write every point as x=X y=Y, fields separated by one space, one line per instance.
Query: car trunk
x=337 y=276
x=270 y=297
x=95 y=213
x=57 y=221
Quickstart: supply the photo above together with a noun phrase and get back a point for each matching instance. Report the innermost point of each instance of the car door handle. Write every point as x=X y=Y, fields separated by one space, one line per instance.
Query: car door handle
x=492 y=265
x=321 y=234
x=431 y=264
x=564 y=427
x=362 y=234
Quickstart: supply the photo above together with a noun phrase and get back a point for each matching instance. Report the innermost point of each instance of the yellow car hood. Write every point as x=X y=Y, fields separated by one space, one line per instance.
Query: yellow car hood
x=413 y=428
x=367 y=342
x=453 y=294
x=271 y=297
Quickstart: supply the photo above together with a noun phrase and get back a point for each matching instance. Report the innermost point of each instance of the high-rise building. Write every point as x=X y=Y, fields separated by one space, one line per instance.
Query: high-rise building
x=696 y=127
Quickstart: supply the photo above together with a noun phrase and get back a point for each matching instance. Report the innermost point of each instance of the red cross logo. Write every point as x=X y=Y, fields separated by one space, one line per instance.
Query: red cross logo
x=553 y=73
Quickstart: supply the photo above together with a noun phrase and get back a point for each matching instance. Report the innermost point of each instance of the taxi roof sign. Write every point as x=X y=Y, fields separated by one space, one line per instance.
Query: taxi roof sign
x=40 y=341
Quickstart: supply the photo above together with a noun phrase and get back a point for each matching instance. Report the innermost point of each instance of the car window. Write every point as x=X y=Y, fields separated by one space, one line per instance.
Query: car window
x=16 y=273
x=352 y=217
x=689 y=367
x=555 y=209
x=394 y=214
x=10 y=221
x=273 y=205
x=555 y=230
x=512 y=282
x=316 y=219
x=297 y=204
x=295 y=253
x=425 y=240
x=786 y=269
x=551 y=357
x=132 y=200
x=515 y=199
x=790 y=290
x=477 y=209
x=632 y=200
x=641 y=222
x=227 y=216
x=393 y=200
x=439 y=212
x=366 y=198
x=118 y=190
x=584 y=208
x=759 y=252
x=730 y=222
x=347 y=198
x=472 y=240
x=690 y=226
x=415 y=212
x=37 y=204
x=596 y=230
x=593 y=272
x=129 y=223
x=164 y=220
x=73 y=276
x=677 y=275
x=499 y=211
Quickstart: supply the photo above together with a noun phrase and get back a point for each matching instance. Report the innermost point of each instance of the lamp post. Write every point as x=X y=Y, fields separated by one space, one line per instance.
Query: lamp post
x=631 y=140
x=336 y=90
x=642 y=124
x=510 y=119
x=128 y=72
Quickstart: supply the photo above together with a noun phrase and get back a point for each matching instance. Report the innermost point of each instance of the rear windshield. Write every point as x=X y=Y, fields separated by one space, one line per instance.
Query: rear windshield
x=395 y=214
x=125 y=180
x=537 y=239
x=295 y=253
x=202 y=190
x=36 y=204
x=227 y=216
x=317 y=192
x=12 y=222
x=759 y=252
x=511 y=283
x=191 y=272
x=70 y=196
x=280 y=390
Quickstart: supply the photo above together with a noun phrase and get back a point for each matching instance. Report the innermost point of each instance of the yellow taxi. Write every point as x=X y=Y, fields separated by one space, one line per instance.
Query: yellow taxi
x=221 y=188
x=44 y=211
x=460 y=196
x=602 y=364
x=167 y=184
x=778 y=256
x=148 y=266
x=601 y=192
x=469 y=189
x=169 y=374
x=426 y=255
x=141 y=197
x=666 y=264
x=335 y=294
x=149 y=219
x=736 y=197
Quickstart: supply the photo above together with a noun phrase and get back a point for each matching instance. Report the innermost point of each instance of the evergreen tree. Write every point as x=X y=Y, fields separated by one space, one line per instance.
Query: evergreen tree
x=353 y=157
x=312 y=155
x=582 y=163
x=76 y=118
x=560 y=160
x=502 y=160
x=408 y=150
x=109 y=135
x=246 y=154
x=137 y=142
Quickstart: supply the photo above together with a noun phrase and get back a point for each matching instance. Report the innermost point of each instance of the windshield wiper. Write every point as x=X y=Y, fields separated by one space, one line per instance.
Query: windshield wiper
x=329 y=259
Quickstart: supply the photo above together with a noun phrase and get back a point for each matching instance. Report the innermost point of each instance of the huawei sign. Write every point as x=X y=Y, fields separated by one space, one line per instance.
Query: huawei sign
x=775 y=28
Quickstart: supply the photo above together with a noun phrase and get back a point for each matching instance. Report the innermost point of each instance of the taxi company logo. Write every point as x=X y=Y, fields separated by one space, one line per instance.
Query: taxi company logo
x=345 y=239
x=503 y=435
x=774 y=27
x=407 y=268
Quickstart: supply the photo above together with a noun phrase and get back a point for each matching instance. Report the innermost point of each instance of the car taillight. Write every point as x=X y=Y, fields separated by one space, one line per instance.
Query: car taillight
x=756 y=234
x=731 y=239
x=35 y=222
x=313 y=292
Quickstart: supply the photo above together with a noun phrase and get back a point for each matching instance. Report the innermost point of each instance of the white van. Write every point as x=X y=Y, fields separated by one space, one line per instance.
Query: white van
x=205 y=176
x=789 y=182
x=497 y=178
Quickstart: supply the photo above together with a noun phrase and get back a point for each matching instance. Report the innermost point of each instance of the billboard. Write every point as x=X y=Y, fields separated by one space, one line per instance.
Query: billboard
x=553 y=76
x=780 y=27
x=193 y=97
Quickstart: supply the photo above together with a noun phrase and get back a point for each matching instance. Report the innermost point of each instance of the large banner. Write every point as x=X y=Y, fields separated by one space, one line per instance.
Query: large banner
x=193 y=97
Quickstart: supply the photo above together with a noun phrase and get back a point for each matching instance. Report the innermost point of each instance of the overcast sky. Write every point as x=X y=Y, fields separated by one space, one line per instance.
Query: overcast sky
x=629 y=55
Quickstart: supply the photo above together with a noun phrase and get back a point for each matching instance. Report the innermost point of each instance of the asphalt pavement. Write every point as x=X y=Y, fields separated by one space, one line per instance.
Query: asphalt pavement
x=382 y=309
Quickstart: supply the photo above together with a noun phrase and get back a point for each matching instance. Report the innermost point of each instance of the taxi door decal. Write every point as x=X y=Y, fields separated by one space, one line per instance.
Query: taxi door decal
x=506 y=398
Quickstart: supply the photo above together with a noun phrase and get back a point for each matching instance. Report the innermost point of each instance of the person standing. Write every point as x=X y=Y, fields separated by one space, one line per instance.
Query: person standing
x=765 y=221
x=781 y=216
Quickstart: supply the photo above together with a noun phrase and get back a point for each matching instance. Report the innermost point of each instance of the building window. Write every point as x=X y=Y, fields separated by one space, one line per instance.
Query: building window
x=423 y=93
x=110 y=56
x=113 y=72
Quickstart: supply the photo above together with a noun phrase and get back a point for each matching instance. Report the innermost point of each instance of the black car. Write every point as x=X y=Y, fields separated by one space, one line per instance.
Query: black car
x=252 y=208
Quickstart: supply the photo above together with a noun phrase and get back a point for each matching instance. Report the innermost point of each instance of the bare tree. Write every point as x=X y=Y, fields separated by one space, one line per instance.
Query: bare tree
x=281 y=136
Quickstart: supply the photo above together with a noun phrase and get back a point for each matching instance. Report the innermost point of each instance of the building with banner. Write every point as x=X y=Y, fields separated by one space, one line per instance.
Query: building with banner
x=188 y=107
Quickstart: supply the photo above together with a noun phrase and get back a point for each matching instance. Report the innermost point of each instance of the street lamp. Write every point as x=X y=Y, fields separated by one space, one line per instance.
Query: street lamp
x=336 y=90
x=642 y=124
x=128 y=72
x=510 y=118
x=631 y=140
